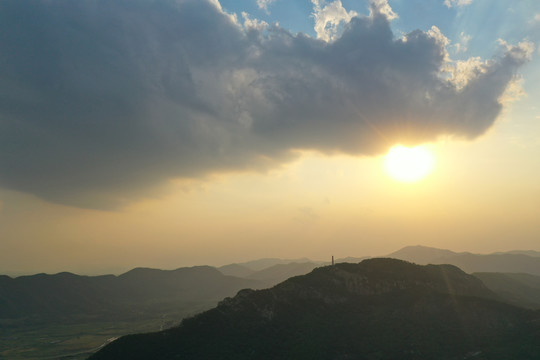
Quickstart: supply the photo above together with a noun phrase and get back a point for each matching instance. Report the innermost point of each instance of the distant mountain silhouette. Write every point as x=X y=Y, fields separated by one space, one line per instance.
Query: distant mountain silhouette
x=265 y=263
x=421 y=254
x=65 y=295
x=281 y=272
x=351 y=259
x=377 y=309
x=518 y=289
x=521 y=252
x=501 y=262
x=277 y=270
x=236 y=270
x=52 y=295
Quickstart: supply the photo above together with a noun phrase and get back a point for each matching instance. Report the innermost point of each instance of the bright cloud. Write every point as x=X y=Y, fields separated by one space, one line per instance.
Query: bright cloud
x=329 y=18
x=255 y=24
x=382 y=7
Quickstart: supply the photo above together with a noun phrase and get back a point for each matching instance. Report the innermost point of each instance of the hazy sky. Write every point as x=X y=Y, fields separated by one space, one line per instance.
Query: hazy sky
x=171 y=133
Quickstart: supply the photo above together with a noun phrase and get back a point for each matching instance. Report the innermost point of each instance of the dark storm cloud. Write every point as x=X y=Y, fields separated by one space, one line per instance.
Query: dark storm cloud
x=101 y=99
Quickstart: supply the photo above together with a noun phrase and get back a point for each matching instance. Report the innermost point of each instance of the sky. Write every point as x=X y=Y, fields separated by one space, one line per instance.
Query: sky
x=175 y=133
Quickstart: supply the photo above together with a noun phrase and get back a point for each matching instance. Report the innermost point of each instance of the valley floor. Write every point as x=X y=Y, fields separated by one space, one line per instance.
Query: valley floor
x=73 y=341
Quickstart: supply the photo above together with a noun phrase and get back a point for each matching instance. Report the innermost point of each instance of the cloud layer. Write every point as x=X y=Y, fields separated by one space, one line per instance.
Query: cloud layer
x=100 y=99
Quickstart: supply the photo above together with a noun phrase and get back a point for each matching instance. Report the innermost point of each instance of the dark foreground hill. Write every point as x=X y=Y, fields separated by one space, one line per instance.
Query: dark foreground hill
x=378 y=309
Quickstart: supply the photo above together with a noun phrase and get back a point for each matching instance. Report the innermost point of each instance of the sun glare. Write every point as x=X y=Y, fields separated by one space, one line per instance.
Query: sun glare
x=409 y=164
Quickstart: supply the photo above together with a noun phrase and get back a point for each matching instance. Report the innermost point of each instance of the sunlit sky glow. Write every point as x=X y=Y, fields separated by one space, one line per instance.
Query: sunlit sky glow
x=177 y=133
x=409 y=164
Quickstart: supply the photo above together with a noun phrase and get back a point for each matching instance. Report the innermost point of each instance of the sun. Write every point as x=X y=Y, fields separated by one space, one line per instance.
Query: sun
x=409 y=164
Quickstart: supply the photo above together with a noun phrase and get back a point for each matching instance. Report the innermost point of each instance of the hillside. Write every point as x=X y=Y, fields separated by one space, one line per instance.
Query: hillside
x=519 y=289
x=378 y=309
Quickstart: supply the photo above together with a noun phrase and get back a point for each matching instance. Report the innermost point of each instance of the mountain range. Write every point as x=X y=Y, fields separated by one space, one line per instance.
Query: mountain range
x=139 y=292
x=164 y=297
x=66 y=296
x=377 y=309
x=149 y=291
x=507 y=262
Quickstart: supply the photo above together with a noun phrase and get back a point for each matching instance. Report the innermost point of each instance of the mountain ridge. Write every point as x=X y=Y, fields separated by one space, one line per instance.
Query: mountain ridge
x=377 y=309
x=507 y=262
x=64 y=294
